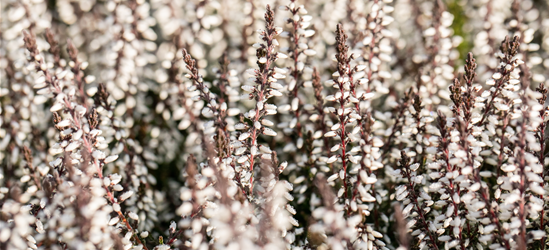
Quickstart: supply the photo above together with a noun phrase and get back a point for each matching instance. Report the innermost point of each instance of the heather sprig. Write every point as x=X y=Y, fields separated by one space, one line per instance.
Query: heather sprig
x=266 y=86
x=140 y=124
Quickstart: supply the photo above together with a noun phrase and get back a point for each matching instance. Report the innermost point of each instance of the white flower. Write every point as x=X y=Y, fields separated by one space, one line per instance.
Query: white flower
x=414 y=166
x=309 y=52
x=115 y=178
x=330 y=134
x=377 y=142
x=72 y=146
x=269 y=132
x=514 y=81
x=266 y=122
x=111 y=158
x=64 y=123
x=62 y=74
x=444 y=238
x=89 y=79
x=332 y=177
x=332 y=159
x=242 y=159
x=253 y=150
x=330 y=98
x=429 y=32
x=133 y=216
x=126 y=195
x=98 y=154
x=233 y=111
x=368 y=96
x=308 y=33
x=537 y=234
x=240 y=126
x=244 y=136
x=113 y=221
x=275 y=92
x=370 y=180
x=281 y=55
x=248 y=88
x=144 y=234
x=240 y=151
x=265 y=150
x=281 y=168
x=77 y=135
x=56 y=107
x=39 y=228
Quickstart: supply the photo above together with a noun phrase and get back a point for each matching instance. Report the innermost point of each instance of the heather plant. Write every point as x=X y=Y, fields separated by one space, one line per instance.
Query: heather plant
x=346 y=124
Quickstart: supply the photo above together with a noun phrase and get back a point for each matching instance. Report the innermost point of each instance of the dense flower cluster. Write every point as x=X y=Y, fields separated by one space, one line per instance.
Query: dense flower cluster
x=187 y=124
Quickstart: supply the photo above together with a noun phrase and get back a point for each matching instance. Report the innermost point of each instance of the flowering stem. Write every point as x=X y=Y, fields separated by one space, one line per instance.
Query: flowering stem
x=541 y=154
x=262 y=79
x=30 y=42
x=405 y=164
x=344 y=71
